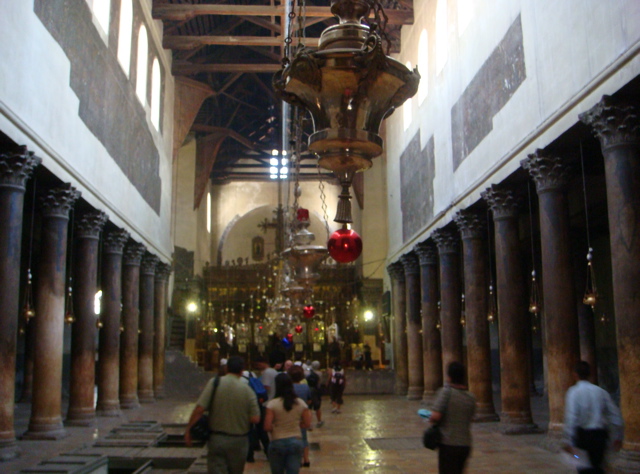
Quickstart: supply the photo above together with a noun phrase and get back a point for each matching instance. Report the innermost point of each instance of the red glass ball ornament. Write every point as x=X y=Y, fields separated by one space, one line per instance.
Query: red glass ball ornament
x=298 y=329
x=290 y=337
x=309 y=311
x=345 y=245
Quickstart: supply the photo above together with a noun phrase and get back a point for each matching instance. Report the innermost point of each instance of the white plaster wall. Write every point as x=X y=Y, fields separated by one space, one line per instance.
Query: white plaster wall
x=575 y=51
x=39 y=109
x=374 y=220
x=236 y=199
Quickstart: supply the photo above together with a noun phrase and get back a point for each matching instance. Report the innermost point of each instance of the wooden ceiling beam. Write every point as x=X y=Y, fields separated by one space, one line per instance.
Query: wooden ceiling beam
x=185 y=11
x=183 y=68
x=191 y=42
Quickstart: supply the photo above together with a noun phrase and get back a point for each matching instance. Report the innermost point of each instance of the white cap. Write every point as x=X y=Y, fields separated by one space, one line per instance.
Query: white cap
x=297 y=363
x=223 y=361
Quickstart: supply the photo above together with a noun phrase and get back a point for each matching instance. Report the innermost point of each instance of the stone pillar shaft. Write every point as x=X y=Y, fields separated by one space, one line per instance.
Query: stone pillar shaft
x=512 y=314
x=561 y=319
x=83 y=332
x=145 y=350
x=618 y=128
x=400 y=355
x=130 y=322
x=46 y=409
x=15 y=169
x=450 y=298
x=474 y=248
x=414 y=326
x=109 y=356
x=160 y=323
x=432 y=348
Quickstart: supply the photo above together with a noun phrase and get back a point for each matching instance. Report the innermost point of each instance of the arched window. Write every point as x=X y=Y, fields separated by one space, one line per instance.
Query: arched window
x=102 y=12
x=156 y=93
x=124 y=35
x=423 y=64
x=141 y=66
x=407 y=108
x=442 y=35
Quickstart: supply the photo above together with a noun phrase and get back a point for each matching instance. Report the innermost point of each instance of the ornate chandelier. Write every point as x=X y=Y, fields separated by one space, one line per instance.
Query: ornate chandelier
x=348 y=86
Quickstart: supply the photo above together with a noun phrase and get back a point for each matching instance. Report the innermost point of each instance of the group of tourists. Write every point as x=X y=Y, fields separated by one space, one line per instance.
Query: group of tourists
x=274 y=410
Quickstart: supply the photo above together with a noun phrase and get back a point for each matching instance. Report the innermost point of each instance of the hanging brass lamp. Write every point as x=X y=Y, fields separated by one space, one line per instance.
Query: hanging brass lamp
x=303 y=257
x=348 y=86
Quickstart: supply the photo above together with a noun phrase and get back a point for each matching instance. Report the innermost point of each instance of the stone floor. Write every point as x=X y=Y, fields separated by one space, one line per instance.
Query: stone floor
x=388 y=421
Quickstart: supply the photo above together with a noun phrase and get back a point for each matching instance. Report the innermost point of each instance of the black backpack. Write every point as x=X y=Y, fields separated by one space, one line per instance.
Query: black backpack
x=313 y=380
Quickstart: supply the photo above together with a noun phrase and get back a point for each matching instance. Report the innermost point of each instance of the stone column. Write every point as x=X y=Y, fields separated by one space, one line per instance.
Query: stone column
x=561 y=320
x=130 y=321
x=84 y=330
x=163 y=271
x=414 y=325
x=473 y=230
x=15 y=169
x=512 y=314
x=618 y=128
x=145 y=350
x=586 y=316
x=432 y=348
x=450 y=297
x=46 y=409
x=110 y=314
x=396 y=272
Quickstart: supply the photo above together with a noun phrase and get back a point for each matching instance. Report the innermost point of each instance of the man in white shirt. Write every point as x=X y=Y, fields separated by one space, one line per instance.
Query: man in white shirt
x=591 y=418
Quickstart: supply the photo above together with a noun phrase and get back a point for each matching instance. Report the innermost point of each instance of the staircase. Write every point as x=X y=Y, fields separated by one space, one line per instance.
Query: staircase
x=178 y=331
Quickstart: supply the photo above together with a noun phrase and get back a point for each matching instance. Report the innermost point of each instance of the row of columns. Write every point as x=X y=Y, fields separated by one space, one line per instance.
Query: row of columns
x=131 y=353
x=567 y=337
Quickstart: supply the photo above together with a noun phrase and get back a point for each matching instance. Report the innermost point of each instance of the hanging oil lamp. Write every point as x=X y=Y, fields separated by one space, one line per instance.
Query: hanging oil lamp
x=591 y=291
x=534 y=305
x=492 y=313
x=69 y=317
x=463 y=319
x=28 y=310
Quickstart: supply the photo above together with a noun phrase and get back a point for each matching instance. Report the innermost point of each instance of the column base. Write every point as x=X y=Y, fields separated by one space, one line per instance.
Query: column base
x=9 y=450
x=80 y=421
x=110 y=408
x=129 y=403
x=626 y=462
x=554 y=439
x=146 y=398
x=45 y=431
x=485 y=413
x=519 y=428
x=414 y=393
x=428 y=396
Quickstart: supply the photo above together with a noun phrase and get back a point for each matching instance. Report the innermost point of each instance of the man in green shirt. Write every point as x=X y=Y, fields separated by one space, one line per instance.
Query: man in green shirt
x=233 y=408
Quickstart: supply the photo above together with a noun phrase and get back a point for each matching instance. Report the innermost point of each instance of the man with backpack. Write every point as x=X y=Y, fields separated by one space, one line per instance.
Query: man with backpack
x=315 y=386
x=337 y=383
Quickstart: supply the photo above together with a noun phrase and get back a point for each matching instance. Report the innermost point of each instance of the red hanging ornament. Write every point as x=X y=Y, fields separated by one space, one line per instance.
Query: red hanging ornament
x=290 y=337
x=298 y=329
x=309 y=311
x=344 y=245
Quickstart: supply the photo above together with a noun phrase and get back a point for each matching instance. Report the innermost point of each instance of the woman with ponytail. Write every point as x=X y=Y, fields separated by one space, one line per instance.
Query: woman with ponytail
x=285 y=415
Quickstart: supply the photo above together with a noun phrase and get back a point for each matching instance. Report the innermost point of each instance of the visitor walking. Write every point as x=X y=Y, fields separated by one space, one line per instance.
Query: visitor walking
x=286 y=414
x=453 y=411
x=590 y=419
x=314 y=380
x=232 y=407
x=337 y=383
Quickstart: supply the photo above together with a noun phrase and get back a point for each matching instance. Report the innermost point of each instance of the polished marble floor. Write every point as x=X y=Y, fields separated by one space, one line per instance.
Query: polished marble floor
x=341 y=445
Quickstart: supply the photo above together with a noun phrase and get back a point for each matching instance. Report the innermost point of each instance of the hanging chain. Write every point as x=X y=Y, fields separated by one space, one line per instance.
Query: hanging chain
x=584 y=192
x=380 y=22
x=533 y=253
x=323 y=198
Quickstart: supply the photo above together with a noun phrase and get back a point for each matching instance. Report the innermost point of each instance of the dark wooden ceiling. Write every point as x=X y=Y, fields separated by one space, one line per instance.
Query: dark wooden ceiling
x=234 y=47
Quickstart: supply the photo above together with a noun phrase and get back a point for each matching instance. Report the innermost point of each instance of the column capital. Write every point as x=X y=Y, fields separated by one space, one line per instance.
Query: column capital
x=503 y=202
x=89 y=225
x=133 y=253
x=16 y=168
x=163 y=270
x=549 y=172
x=149 y=263
x=57 y=202
x=114 y=241
x=471 y=224
x=427 y=253
x=446 y=240
x=613 y=123
x=410 y=264
x=396 y=271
